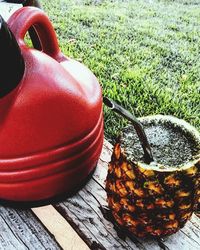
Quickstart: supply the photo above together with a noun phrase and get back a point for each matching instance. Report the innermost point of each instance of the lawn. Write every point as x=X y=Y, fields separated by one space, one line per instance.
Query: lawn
x=145 y=53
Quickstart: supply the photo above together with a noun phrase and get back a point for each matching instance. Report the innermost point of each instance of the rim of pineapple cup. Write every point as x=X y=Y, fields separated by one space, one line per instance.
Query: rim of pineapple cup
x=185 y=127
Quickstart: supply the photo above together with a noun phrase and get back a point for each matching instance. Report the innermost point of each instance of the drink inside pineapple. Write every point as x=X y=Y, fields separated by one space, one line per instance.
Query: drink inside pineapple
x=173 y=142
x=155 y=199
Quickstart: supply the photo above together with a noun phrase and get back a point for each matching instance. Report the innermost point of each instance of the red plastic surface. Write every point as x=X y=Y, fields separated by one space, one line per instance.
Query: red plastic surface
x=51 y=124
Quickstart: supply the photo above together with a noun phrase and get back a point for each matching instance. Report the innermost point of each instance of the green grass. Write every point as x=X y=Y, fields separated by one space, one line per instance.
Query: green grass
x=146 y=54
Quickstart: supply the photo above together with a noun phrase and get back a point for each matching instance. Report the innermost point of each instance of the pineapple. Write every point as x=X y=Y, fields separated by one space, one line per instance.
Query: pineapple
x=155 y=199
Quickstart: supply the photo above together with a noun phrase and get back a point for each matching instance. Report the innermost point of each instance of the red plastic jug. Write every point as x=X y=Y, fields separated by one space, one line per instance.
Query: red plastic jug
x=51 y=121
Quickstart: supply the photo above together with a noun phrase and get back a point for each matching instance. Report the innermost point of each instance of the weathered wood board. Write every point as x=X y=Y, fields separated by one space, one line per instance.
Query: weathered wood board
x=20 y=229
x=59 y=227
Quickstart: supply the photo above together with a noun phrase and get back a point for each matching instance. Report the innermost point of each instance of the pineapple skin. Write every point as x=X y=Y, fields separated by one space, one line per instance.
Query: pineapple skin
x=149 y=202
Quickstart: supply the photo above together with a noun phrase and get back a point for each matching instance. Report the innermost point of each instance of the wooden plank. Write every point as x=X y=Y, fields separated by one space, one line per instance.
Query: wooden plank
x=83 y=210
x=8 y=240
x=72 y=210
x=58 y=226
x=20 y=229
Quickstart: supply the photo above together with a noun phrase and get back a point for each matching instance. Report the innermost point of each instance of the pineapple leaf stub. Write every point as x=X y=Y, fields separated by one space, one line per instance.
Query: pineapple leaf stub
x=148 y=200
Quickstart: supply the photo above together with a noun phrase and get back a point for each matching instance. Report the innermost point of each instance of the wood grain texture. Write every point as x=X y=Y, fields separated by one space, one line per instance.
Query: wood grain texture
x=20 y=229
x=64 y=234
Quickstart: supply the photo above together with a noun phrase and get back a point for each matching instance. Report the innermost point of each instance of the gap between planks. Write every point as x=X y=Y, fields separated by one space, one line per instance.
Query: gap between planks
x=57 y=225
x=64 y=234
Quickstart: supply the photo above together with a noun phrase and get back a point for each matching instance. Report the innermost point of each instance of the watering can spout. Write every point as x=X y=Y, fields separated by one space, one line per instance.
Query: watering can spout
x=11 y=60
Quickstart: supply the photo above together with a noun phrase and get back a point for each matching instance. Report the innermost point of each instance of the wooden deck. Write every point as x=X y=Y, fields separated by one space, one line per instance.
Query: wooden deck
x=78 y=223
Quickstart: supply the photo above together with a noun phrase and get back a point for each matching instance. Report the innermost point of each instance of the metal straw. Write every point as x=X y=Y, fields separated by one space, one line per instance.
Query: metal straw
x=148 y=157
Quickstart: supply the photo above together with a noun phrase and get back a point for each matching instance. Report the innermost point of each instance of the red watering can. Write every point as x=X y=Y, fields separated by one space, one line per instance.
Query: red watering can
x=50 y=113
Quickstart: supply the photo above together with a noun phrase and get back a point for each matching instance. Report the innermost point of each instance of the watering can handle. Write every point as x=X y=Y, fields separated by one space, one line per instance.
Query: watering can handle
x=21 y=21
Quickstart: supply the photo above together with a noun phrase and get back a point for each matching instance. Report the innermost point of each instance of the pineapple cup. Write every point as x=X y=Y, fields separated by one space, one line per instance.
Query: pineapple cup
x=154 y=199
